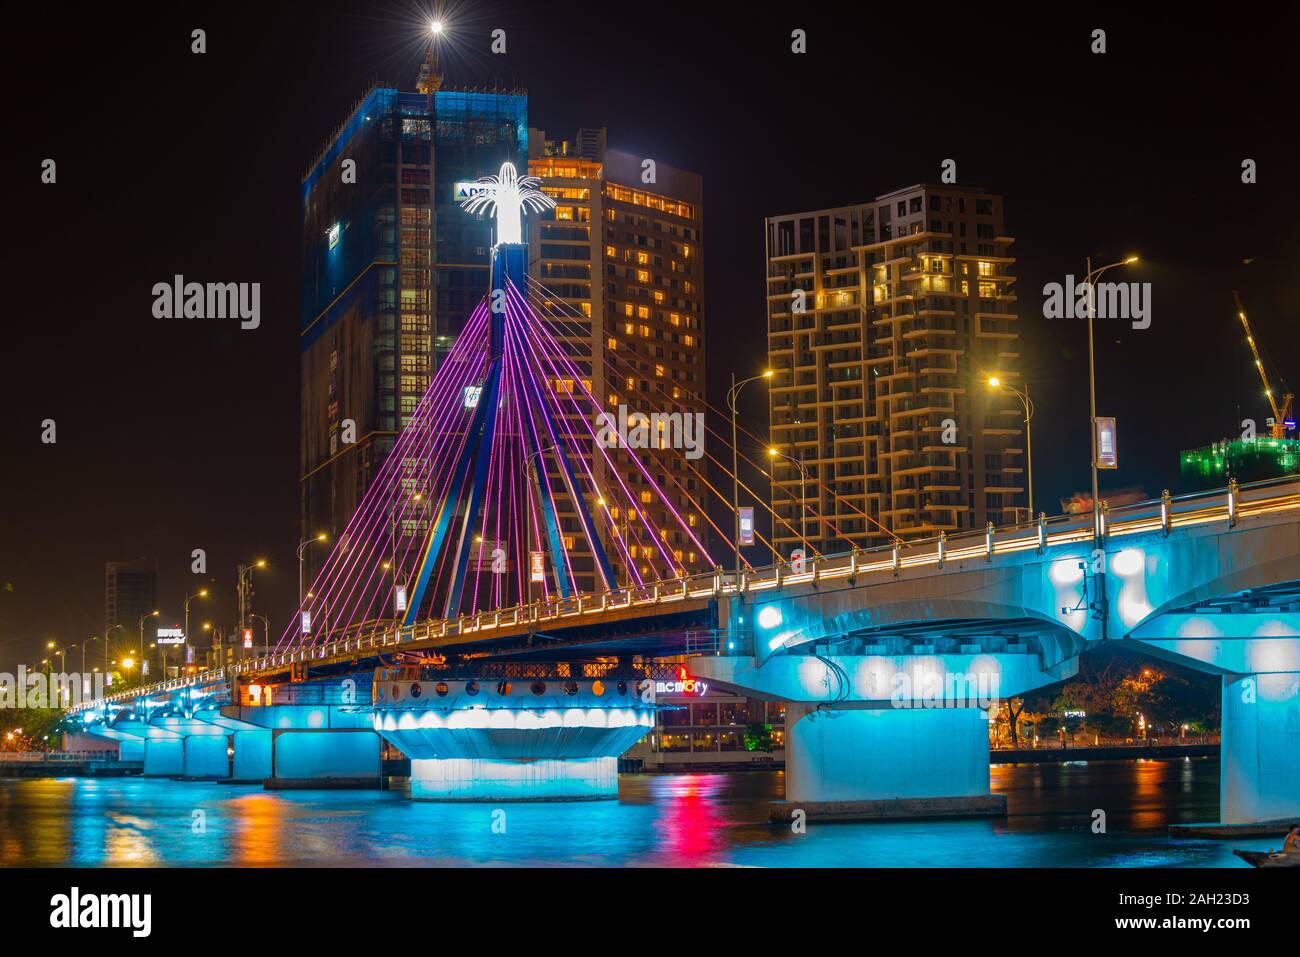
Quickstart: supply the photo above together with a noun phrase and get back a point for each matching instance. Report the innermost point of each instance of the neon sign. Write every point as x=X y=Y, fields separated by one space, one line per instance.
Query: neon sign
x=684 y=684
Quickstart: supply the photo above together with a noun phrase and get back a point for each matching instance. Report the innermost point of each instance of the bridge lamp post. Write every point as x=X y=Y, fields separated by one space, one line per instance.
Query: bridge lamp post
x=245 y=576
x=996 y=383
x=530 y=472
x=201 y=593
x=1092 y=276
x=143 y=618
x=302 y=549
x=803 y=509
x=733 y=395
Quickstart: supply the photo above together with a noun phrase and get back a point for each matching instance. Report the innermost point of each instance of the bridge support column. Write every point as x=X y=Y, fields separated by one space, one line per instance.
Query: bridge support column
x=252 y=761
x=1260 y=772
x=326 y=759
x=164 y=754
x=877 y=763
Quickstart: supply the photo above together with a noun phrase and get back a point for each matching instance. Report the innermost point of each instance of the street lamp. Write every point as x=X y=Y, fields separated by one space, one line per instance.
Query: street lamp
x=1090 y=279
x=996 y=383
x=733 y=395
x=803 y=509
x=302 y=548
x=152 y=614
x=201 y=593
x=245 y=577
x=529 y=474
x=107 y=634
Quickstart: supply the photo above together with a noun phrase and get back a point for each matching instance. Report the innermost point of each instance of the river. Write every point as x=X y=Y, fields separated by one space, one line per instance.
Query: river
x=658 y=820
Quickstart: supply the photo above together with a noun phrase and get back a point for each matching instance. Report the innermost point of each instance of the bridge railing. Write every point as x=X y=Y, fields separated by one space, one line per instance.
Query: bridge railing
x=1167 y=512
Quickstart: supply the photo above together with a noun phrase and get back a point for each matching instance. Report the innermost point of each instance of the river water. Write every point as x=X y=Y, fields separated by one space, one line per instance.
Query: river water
x=658 y=820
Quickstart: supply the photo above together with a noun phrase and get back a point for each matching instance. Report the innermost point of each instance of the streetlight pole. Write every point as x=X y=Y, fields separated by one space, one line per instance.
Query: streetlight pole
x=1090 y=279
x=733 y=395
x=529 y=474
x=996 y=383
x=302 y=548
x=201 y=593
x=106 y=634
x=803 y=509
x=245 y=576
x=152 y=614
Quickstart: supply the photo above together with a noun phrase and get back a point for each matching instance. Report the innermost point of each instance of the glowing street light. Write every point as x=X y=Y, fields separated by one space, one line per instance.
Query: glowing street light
x=733 y=394
x=995 y=382
x=435 y=27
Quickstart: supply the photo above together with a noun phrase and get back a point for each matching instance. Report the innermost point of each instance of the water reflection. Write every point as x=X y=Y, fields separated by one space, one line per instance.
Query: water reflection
x=672 y=821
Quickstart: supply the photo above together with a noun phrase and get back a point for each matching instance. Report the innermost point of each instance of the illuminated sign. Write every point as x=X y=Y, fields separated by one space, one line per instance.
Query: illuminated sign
x=1076 y=714
x=171 y=636
x=334 y=235
x=306 y=622
x=472 y=393
x=536 y=567
x=248 y=637
x=746 y=525
x=684 y=684
x=463 y=192
x=1107 y=450
x=399 y=598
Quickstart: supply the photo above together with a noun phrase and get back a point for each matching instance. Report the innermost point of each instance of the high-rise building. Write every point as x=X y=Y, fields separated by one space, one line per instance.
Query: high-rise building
x=392 y=267
x=130 y=592
x=885 y=321
x=624 y=258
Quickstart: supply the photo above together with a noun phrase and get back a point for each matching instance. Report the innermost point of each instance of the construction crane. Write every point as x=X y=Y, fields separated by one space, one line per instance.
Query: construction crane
x=1281 y=414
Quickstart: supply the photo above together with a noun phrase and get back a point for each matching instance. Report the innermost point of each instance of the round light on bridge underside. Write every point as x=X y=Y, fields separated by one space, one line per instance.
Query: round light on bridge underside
x=1128 y=562
x=769 y=617
x=504 y=688
x=441 y=688
x=539 y=688
x=598 y=688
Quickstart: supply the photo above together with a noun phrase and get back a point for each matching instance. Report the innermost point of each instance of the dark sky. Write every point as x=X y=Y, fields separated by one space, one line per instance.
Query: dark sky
x=175 y=435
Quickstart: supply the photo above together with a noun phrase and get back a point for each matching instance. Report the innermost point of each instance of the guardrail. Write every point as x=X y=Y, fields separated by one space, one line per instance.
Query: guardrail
x=54 y=757
x=1165 y=514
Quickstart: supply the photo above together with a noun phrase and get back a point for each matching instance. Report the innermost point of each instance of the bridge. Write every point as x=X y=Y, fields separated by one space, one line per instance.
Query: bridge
x=422 y=629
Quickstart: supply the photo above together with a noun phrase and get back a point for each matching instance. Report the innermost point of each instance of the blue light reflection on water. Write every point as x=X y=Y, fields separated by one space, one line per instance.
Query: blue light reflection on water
x=672 y=820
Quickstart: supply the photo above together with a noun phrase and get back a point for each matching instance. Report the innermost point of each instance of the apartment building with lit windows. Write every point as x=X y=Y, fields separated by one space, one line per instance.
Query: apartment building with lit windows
x=624 y=260
x=885 y=320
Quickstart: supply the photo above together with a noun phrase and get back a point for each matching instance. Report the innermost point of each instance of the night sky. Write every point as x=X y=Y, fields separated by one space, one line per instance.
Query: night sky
x=182 y=434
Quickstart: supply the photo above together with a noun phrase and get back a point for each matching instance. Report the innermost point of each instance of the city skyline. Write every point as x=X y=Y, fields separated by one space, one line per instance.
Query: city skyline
x=224 y=386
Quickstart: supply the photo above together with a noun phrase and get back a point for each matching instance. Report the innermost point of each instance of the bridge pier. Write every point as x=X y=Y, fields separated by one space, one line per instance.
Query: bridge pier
x=881 y=736
x=875 y=763
x=304 y=746
x=1260 y=749
x=554 y=740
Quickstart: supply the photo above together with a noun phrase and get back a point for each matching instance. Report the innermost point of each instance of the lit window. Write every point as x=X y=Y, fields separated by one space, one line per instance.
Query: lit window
x=677 y=393
x=644 y=331
x=631 y=383
x=659 y=370
x=612 y=345
x=627 y=309
x=611 y=252
x=564 y=212
x=690 y=558
x=691 y=519
x=674 y=318
x=629 y=328
x=986 y=268
x=643 y=312
x=646 y=497
x=568 y=542
x=642 y=259
x=686 y=252
x=688 y=340
x=642 y=275
x=659 y=296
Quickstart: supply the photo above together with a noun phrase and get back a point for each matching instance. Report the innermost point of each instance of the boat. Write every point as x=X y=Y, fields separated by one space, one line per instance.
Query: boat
x=1268 y=859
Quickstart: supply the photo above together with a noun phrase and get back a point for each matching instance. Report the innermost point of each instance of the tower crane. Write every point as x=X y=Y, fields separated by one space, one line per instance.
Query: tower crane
x=1281 y=414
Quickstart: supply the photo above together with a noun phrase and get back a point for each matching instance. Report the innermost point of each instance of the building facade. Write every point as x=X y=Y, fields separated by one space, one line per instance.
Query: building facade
x=130 y=593
x=623 y=260
x=392 y=267
x=885 y=321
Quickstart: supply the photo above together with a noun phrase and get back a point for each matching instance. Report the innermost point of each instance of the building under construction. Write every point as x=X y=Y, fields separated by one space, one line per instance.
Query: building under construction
x=1246 y=460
